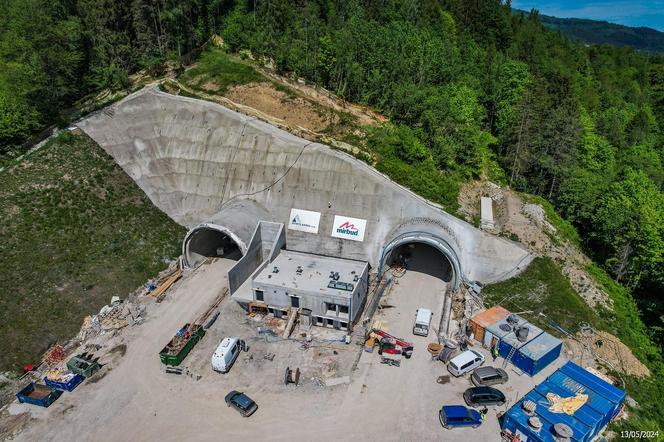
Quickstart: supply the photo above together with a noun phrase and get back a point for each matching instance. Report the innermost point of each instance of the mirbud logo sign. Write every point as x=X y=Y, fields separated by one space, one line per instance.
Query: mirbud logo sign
x=349 y=228
x=304 y=220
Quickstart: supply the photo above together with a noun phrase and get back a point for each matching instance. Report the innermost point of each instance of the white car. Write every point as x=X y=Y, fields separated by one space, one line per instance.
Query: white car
x=465 y=362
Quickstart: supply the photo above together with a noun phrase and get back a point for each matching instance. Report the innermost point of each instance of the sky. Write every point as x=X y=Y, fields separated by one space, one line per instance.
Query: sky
x=624 y=12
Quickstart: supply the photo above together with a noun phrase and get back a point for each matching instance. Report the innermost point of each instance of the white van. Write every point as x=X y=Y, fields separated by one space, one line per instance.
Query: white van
x=465 y=362
x=226 y=354
x=422 y=322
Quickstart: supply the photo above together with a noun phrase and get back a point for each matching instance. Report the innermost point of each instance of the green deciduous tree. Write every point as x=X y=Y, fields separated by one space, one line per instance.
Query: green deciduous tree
x=17 y=121
x=630 y=221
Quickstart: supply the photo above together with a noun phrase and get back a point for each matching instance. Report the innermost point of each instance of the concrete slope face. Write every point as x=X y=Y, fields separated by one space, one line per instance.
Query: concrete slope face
x=212 y=169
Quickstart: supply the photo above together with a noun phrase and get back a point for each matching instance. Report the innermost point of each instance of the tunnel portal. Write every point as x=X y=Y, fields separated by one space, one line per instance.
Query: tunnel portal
x=209 y=242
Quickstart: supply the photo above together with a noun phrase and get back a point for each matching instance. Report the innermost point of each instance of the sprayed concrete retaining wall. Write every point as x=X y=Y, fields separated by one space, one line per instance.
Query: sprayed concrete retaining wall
x=266 y=243
x=202 y=163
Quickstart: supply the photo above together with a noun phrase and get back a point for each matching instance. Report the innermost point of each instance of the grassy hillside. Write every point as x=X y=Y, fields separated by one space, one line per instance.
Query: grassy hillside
x=76 y=230
x=542 y=288
x=603 y=32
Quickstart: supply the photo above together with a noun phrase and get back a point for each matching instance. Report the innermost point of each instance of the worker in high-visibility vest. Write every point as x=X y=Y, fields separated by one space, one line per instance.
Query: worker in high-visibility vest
x=483 y=413
x=494 y=352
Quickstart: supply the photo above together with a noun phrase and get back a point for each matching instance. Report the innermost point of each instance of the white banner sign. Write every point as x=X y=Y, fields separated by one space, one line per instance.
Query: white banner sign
x=304 y=220
x=349 y=228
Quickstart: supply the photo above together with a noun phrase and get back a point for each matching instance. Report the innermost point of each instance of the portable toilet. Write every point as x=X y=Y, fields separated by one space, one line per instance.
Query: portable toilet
x=495 y=332
x=523 y=334
x=480 y=321
x=535 y=355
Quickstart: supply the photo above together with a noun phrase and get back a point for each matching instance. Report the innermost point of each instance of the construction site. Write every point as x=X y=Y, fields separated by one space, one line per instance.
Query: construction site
x=353 y=298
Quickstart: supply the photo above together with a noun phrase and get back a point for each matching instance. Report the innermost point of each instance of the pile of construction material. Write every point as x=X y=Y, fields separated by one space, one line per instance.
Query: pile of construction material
x=59 y=375
x=54 y=355
x=164 y=281
x=62 y=379
x=118 y=314
x=181 y=338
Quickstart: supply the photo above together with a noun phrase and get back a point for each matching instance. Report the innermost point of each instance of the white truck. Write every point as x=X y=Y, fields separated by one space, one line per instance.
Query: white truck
x=422 y=322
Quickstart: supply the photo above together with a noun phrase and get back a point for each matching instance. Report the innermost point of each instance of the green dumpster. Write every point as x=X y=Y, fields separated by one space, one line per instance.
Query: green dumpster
x=84 y=364
x=179 y=347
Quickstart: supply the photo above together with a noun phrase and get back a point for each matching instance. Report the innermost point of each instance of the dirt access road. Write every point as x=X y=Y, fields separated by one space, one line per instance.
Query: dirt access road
x=137 y=401
x=405 y=400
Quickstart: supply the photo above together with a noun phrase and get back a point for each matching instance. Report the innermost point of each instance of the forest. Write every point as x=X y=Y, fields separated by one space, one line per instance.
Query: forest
x=472 y=91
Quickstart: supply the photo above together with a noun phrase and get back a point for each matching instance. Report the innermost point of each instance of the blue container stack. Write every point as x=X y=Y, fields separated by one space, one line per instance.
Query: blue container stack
x=510 y=340
x=538 y=353
x=495 y=331
x=603 y=404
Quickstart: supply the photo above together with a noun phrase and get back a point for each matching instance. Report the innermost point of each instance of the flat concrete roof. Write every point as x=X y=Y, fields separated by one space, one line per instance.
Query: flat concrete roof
x=315 y=275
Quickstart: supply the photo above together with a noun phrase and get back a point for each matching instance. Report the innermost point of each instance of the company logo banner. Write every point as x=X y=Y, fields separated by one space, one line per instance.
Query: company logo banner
x=349 y=228
x=304 y=220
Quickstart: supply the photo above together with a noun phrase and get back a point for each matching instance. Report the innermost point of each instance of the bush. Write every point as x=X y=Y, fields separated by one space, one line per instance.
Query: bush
x=219 y=68
x=155 y=66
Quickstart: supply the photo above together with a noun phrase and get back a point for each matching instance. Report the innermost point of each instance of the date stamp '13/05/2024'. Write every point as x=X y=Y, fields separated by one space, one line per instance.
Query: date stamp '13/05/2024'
x=638 y=434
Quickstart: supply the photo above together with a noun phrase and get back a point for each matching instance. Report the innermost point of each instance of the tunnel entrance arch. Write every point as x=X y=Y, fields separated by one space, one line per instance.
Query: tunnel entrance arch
x=210 y=240
x=451 y=266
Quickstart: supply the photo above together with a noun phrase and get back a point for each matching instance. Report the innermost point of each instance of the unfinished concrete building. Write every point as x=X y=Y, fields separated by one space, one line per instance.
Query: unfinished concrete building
x=332 y=291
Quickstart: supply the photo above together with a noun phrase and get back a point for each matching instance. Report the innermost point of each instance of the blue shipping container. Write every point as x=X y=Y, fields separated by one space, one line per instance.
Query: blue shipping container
x=510 y=340
x=537 y=354
x=603 y=404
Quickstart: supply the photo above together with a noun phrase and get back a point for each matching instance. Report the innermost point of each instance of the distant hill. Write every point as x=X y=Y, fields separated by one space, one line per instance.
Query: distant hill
x=600 y=32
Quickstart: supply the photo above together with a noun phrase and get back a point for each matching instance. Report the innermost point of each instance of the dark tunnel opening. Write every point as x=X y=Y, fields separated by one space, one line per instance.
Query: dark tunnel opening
x=210 y=243
x=422 y=258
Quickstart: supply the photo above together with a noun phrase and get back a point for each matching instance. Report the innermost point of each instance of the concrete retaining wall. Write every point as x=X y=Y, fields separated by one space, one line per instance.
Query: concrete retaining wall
x=266 y=242
x=200 y=162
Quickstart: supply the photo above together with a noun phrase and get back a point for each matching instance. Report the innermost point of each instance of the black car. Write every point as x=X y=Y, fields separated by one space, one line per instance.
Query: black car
x=241 y=402
x=486 y=376
x=483 y=396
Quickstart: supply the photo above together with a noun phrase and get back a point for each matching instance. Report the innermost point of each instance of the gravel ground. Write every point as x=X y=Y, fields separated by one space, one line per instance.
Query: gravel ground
x=134 y=399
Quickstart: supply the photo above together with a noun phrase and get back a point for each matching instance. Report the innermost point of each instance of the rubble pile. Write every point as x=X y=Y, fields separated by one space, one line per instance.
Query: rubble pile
x=118 y=314
x=54 y=355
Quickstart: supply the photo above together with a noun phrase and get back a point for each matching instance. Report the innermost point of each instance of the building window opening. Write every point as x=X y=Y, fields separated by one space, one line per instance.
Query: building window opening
x=331 y=309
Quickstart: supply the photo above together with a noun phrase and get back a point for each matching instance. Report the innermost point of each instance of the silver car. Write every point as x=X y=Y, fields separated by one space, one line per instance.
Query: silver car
x=485 y=376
